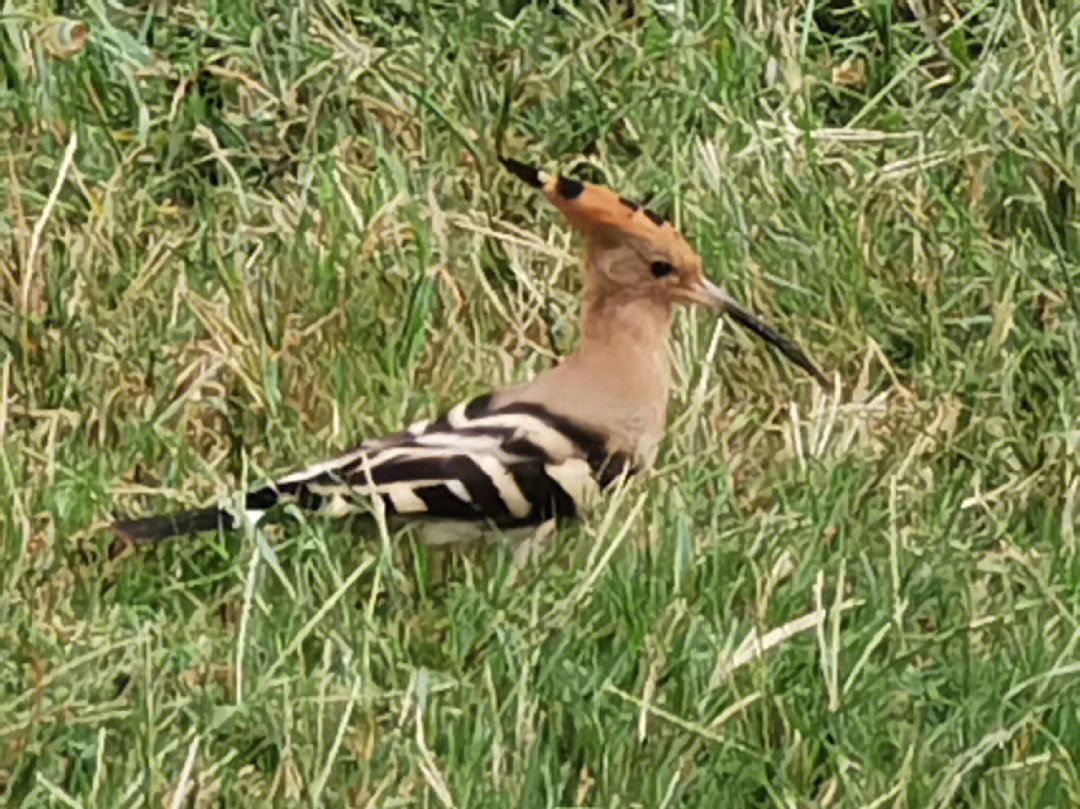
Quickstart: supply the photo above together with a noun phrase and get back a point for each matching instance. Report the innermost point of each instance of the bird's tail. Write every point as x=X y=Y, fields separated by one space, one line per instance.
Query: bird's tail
x=155 y=529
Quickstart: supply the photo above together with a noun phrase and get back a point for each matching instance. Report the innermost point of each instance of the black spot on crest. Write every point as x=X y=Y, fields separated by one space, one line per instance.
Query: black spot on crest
x=629 y=203
x=569 y=188
x=656 y=218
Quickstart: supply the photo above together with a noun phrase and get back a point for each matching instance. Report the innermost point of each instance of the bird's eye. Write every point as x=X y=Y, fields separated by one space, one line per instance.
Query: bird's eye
x=661 y=268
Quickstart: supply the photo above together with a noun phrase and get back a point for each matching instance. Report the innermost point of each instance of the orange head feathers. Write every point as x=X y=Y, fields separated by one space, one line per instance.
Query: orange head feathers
x=629 y=250
x=632 y=252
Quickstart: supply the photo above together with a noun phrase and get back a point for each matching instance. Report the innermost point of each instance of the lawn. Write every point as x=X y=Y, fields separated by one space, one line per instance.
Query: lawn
x=237 y=238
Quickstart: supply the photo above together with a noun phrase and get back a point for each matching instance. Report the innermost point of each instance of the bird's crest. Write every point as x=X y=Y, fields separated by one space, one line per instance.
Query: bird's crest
x=590 y=207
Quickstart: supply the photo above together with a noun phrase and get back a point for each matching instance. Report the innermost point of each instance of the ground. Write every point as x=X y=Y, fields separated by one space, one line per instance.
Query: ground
x=239 y=237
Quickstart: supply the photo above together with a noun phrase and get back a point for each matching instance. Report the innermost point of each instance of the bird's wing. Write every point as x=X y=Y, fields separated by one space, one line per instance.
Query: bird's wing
x=511 y=465
x=514 y=465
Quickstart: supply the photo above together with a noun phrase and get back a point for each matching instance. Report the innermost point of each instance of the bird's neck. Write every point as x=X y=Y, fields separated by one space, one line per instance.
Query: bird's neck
x=624 y=340
x=624 y=323
x=624 y=355
x=616 y=382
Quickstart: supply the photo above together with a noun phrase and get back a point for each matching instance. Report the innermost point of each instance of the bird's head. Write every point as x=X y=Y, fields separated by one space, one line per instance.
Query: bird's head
x=632 y=252
x=629 y=250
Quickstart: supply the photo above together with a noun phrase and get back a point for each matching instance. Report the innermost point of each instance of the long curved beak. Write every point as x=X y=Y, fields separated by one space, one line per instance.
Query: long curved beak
x=710 y=294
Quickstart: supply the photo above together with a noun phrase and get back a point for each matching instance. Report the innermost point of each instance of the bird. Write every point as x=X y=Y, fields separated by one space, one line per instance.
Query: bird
x=540 y=450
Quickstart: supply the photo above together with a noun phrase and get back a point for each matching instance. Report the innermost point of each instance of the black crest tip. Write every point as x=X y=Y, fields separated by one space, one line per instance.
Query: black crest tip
x=529 y=175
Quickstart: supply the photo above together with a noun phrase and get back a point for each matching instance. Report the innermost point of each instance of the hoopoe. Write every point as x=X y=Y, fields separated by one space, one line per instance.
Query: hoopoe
x=527 y=453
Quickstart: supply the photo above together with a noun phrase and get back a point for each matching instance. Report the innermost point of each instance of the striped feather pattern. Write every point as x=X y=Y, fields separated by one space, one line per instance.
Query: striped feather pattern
x=516 y=465
x=511 y=466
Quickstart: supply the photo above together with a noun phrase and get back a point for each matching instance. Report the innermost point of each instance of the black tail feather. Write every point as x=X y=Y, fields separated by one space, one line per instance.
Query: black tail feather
x=155 y=529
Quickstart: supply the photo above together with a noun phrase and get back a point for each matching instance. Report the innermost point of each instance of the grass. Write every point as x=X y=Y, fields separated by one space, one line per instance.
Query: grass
x=238 y=237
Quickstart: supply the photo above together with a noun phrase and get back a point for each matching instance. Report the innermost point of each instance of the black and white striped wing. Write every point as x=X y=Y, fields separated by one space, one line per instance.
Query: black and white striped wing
x=509 y=466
